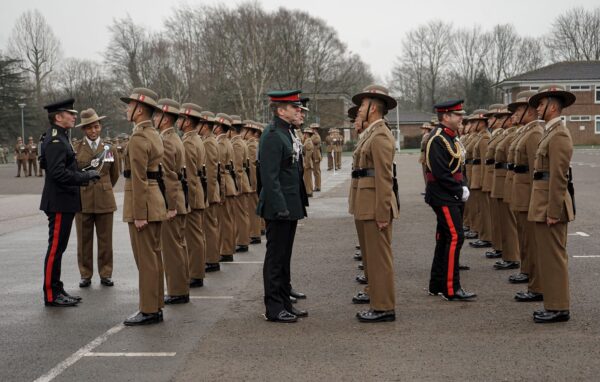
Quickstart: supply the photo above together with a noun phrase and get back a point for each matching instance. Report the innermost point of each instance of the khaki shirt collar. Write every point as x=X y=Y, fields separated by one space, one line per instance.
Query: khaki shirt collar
x=551 y=123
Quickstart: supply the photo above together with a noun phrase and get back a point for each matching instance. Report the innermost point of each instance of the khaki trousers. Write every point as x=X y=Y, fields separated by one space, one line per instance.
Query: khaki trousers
x=527 y=249
x=496 y=221
x=211 y=233
x=32 y=163
x=360 y=232
x=196 y=243
x=317 y=174
x=475 y=199
x=338 y=160
x=381 y=266
x=330 y=160
x=175 y=256
x=146 y=252
x=255 y=220
x=226 y=227
x=84 y=225
x=242 y=219
x=510 y=239
x=551 y=242
x=21 y=164
x=308 y=180
x=486 y=219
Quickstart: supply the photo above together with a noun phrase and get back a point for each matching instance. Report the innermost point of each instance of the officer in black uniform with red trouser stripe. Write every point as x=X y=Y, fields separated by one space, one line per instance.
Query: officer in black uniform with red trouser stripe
x=60 y=198
x=446 y=193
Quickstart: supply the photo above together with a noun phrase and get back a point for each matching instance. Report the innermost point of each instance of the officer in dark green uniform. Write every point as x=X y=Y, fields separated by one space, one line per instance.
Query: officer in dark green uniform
x=280 y=202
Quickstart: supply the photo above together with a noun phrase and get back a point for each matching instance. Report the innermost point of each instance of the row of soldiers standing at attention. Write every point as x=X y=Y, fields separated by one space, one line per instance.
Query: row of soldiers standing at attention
x=517 y=165
x=26 y=157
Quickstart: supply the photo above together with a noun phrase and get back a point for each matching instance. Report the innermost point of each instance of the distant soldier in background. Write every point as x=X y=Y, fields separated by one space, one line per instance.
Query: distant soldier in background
x=308 y=162
x=32 y=157
x=317 y=156
x=338 y=145
x=329 y=149
x=21 y=157
x=426 y=128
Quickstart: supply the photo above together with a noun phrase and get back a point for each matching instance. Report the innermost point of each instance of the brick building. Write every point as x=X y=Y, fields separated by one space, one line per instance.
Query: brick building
x=409 y=123
x=580 y=77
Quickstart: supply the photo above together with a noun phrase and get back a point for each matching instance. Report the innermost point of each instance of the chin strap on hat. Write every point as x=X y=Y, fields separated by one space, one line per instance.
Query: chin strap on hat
x=366 y=117
x=523 y=115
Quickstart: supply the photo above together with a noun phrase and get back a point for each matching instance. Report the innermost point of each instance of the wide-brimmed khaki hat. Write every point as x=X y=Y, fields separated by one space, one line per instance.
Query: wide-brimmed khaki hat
x=375 y=91
x=434 y=121
x=554 y=91
x=223 y=119
x=169 y=106
x=426 y=126
x=522 y=99
x=236 y=120
x=207 y=116
x=314 y=125
x=89 y=116
x=493 y=109
x=142 y=95
x=502 y=112
x=479 y=115
x=190 y=110
x=308 y=130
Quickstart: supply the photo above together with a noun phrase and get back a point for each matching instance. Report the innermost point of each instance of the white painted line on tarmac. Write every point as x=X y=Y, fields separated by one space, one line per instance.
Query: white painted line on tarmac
x=58 y=369
x=212 y=297
x=163 y=354
x=244 y=262
x=587 y=256
x=579 y=234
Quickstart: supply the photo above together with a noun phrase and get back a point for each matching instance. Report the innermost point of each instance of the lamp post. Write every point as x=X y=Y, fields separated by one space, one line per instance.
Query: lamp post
x=398 y=127
x=22 y=106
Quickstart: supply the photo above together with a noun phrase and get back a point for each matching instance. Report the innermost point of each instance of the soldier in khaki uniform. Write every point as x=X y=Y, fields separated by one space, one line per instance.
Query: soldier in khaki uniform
x=309 y=165
x=195 y=165
x=229 y=188
x=551 y=206
x=97 y=203
x=426 y=129
x=173 y=245
x=338 y=144
x=470 y=208
x=241 y=202
x=524 y=148
x=144 y=206
x=213 y=189
x=505 y=220
x=32 y=155
x=375 y=204
x=317 y=156
x=21 y=157
x=329 y=149
x=479 y=125
x=251 y=136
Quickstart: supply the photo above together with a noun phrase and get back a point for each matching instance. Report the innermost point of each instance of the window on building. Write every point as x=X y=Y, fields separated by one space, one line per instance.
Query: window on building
x=597 y=93
x=580 y=118
x=597 y=125
x=534 y=88
x=580 y=88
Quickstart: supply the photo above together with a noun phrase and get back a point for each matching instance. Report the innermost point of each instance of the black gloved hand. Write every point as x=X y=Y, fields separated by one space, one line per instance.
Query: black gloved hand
x=282 y=215
x=92 y=175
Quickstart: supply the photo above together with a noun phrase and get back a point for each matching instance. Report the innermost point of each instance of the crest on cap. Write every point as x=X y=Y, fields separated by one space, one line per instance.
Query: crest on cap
x=142 y=95
x=450 y=106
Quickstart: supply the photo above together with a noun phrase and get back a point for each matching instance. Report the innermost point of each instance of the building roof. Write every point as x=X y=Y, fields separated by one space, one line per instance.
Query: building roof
x=408 y=117
x=560 y=72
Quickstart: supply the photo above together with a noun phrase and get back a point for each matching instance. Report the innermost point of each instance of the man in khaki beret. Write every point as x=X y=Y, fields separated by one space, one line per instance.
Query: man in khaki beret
x=174 y=248
x=144 y=205
x=97 y=203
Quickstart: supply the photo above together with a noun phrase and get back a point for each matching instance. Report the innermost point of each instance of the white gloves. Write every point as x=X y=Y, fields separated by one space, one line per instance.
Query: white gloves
x=465 y=194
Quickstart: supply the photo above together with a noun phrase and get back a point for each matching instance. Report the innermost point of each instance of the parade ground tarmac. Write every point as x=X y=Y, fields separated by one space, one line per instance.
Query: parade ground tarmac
x=221 y=334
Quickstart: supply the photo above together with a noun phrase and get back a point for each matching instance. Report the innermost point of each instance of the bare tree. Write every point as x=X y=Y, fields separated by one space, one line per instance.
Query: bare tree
x=124 y=50
x=469 y=48
x=34 y=43
x=575 y=36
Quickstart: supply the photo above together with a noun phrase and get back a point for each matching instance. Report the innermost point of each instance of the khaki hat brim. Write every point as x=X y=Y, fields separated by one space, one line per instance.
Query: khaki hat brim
x=390 y=102
x=90 y=122
x=567 y=97
x=514 y=105
x=129 y=99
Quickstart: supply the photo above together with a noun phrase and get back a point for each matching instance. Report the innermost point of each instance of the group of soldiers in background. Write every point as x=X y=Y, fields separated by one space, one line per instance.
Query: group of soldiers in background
x=335 y=145
x=26 y=157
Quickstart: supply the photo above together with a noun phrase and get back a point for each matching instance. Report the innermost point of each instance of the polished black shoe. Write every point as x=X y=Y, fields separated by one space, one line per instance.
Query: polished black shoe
x=296 y=294
x=376 y=315
x=361 y=266
x=433 y=292
x=529 y=296
x=464 y=267
x=62 y=301
x=284 y=316
x=481 y=244
x=212 y=267
x=172 y=300
x=71 y=296
x=143 y=319
x=358 y=255
x=263 y=232
x=317 y=190
x=493 y=254
x=84 y=283
x=357 y=247
x=255 y=240
x=299 y=312
x=519 y=278
x=361 y=298
x=196 y=283
x=226 y=258
x=106 y=281
x=160 y=315
x=549 y=316
x=460 y=295
x=293 y=299
x=362 y=279
x=506 y=265
x=242 y=248
x=471 y=235
x=309 y=195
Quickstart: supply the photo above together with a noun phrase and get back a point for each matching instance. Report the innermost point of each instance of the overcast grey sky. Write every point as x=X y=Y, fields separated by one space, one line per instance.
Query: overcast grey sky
x=373 y=29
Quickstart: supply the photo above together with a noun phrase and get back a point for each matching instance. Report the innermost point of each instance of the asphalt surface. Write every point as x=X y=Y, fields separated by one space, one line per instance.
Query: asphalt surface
x=221 y=334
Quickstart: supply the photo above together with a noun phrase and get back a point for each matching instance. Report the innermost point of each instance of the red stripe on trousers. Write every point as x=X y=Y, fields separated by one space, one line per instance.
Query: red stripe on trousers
x=55 y=235
x=453 y=243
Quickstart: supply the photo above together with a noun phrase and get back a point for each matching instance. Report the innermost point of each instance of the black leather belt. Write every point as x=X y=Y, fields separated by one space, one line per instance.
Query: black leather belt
x=510 y=166
x=150 y=174
x=541 y=175
x=489 y=161
x=363 y=173
x=521 y=169
x=476 y=161
x=499 y=165
x=468 y=161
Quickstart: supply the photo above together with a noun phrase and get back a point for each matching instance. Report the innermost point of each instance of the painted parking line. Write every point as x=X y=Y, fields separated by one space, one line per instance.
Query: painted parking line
x=243 y=262
x=159 y=354
x=211 y=297
x=586 y=256
x=579 y=234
